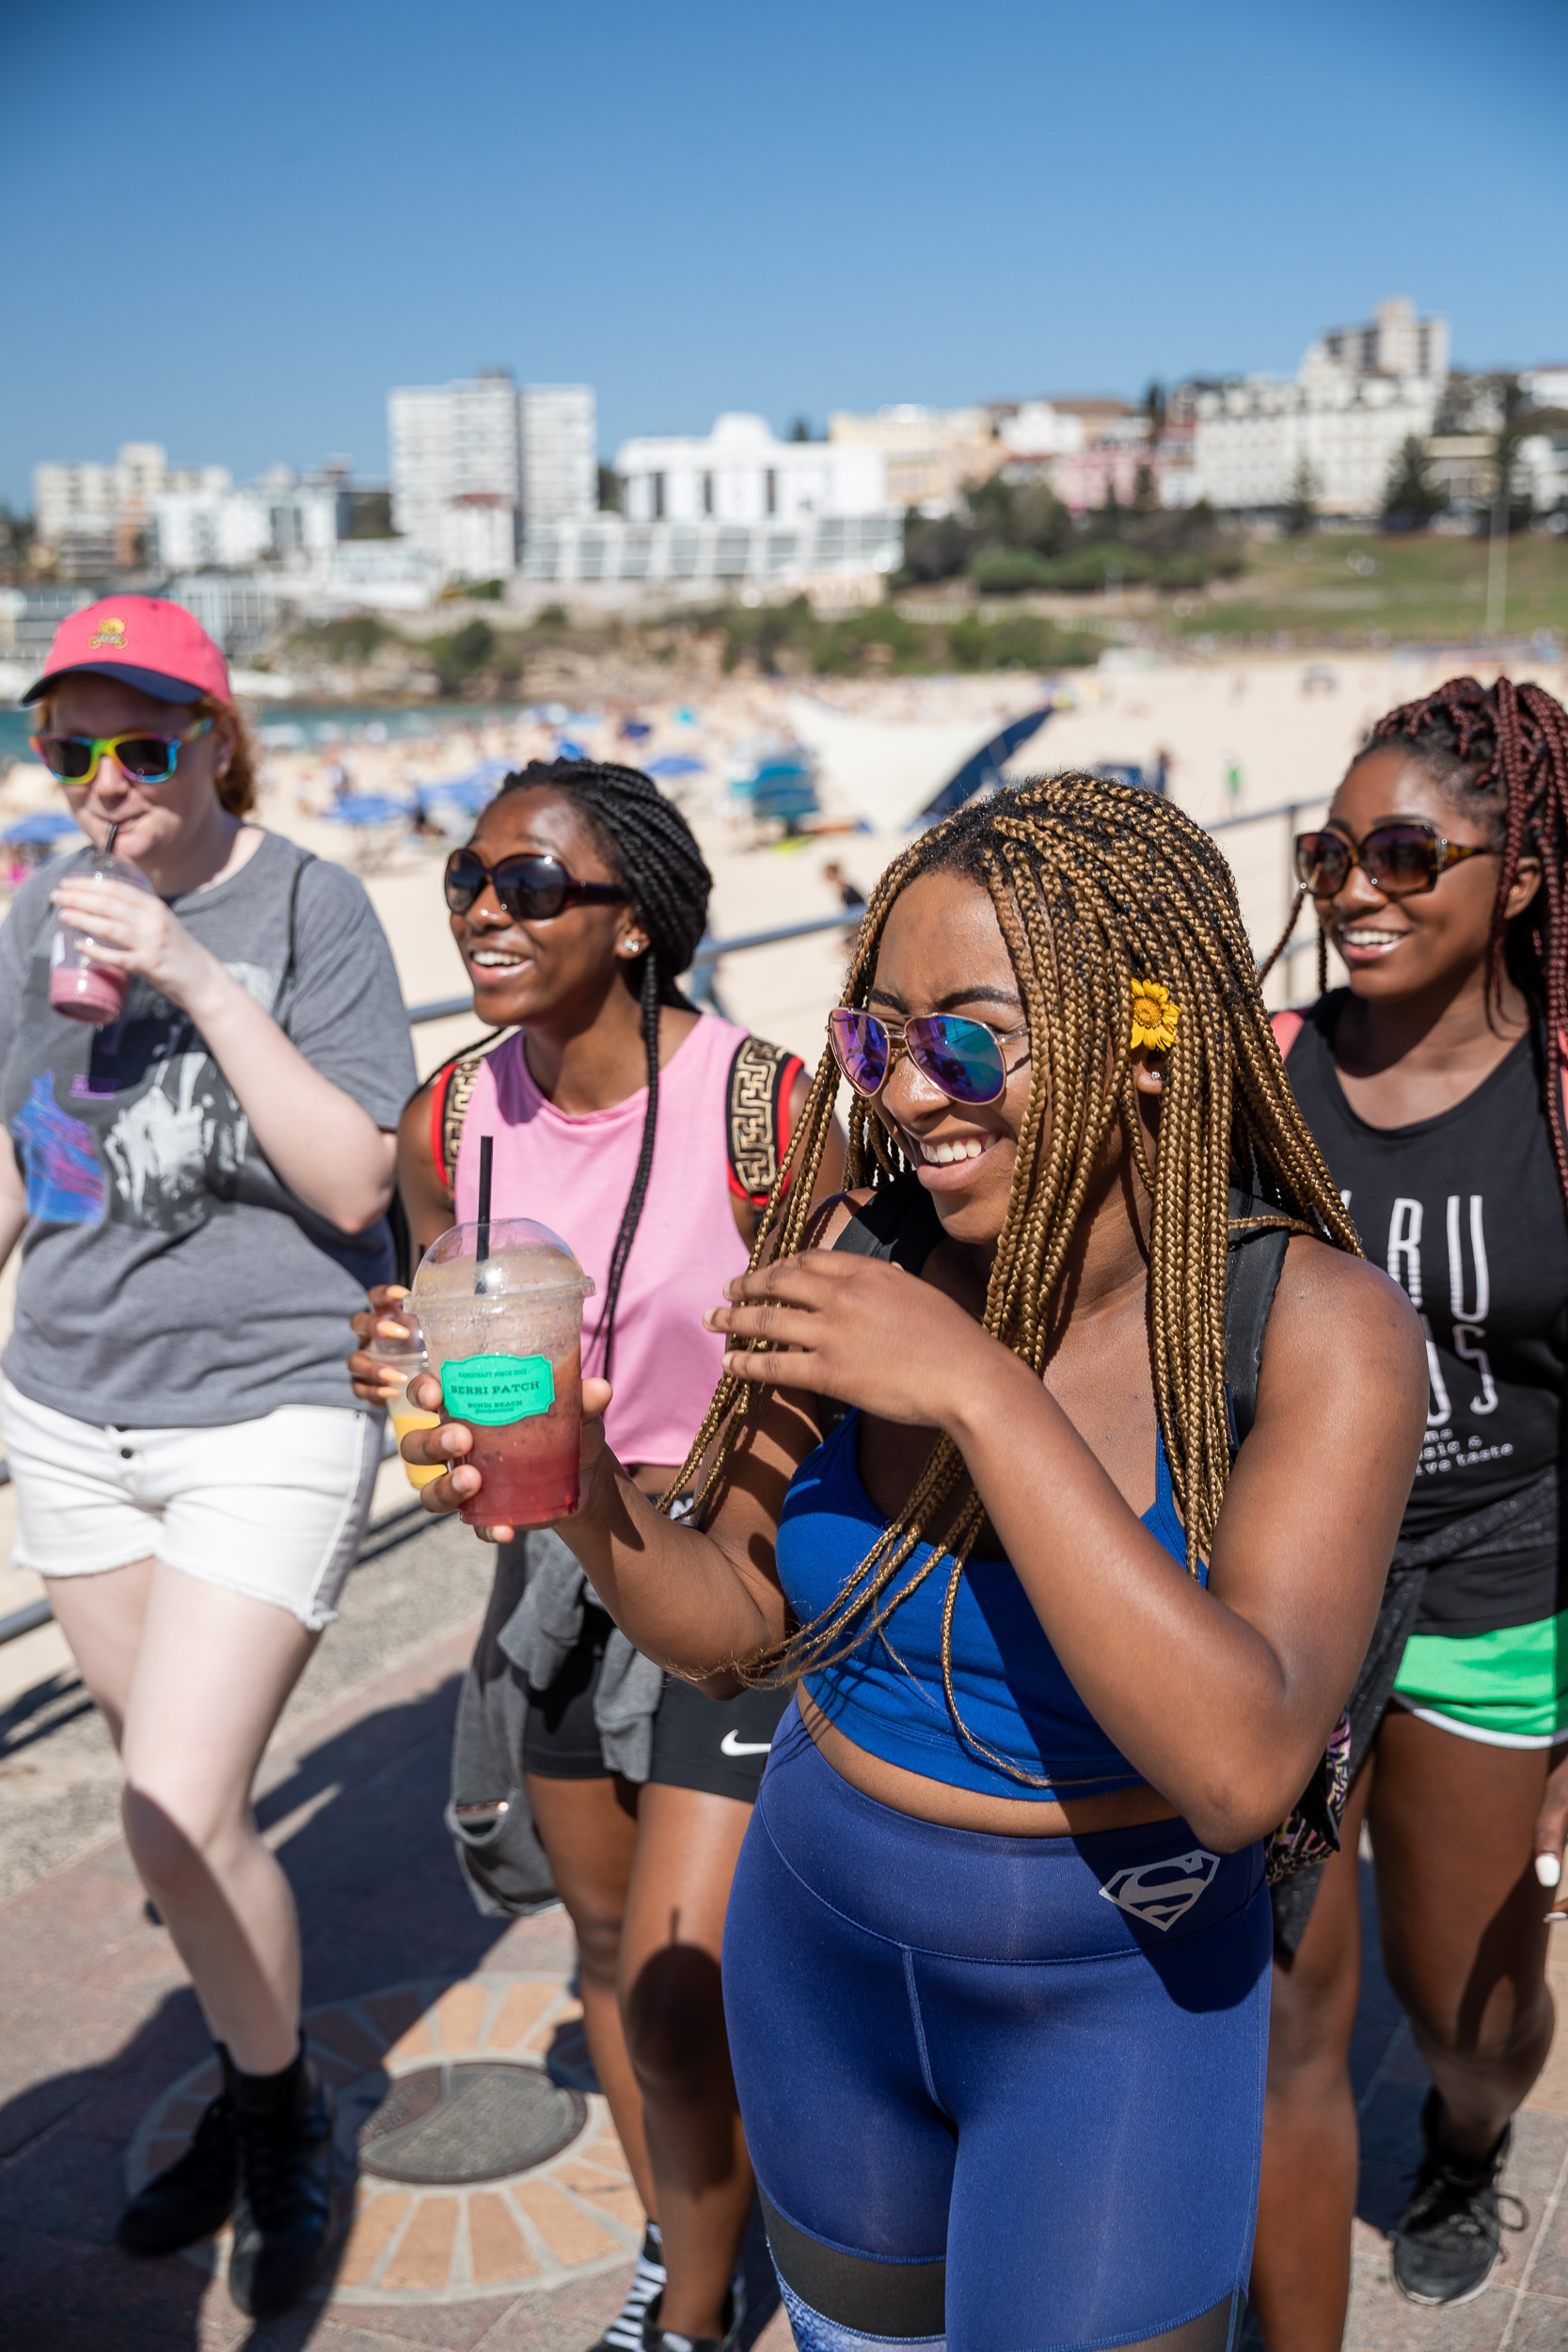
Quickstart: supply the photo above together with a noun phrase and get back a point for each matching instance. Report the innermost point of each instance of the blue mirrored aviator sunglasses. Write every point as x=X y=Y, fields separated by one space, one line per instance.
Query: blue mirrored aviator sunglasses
x=145 y=759
x=963 y=1059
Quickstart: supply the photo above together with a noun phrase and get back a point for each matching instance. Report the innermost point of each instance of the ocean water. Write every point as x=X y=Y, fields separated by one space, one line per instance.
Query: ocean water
x=309 y=726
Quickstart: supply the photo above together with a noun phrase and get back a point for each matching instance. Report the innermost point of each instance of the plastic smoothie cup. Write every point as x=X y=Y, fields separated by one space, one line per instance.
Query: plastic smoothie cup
x=500 y=1305
x=406 y=1358
x=78 y=987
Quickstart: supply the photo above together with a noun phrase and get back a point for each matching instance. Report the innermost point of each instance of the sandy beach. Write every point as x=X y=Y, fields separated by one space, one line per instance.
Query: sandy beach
x=1241 y=738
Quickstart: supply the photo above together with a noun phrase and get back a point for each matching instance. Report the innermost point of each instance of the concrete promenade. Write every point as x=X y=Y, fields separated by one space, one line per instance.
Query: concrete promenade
x=102 y=2059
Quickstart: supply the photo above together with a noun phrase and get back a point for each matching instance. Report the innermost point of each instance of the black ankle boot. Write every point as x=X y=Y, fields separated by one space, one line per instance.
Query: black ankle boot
x=284 y=2213
x=194 y=2195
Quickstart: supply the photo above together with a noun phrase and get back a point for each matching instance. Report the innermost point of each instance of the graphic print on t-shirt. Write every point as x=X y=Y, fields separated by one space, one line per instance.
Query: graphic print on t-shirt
x=65 y=1183
x=168 y=1137
x=1469 y=1299
x=1464 y=1212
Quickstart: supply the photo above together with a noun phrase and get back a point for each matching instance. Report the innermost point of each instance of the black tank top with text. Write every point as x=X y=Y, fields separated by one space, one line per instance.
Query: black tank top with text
x=1466 y=1213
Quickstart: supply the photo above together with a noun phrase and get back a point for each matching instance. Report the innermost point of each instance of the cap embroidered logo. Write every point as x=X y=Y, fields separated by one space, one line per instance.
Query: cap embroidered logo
x=1155 y=1895
x=108 y=633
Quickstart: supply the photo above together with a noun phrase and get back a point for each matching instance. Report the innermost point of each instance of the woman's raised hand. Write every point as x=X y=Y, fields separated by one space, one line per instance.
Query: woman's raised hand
x=448 y=1444
x=376 y=1380
x=137 y=933
x=858 y=1329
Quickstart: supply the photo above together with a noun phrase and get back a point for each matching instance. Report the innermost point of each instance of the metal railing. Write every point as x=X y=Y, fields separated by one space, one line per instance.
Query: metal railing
x=710 y=953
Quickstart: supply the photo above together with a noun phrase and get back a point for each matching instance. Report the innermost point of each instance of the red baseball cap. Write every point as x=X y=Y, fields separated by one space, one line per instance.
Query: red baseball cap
x=145 y=642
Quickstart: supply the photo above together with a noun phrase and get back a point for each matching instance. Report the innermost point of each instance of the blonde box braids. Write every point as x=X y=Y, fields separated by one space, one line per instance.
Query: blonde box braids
x=1095 y=886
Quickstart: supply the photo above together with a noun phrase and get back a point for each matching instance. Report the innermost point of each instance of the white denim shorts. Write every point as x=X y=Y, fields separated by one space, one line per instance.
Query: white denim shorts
x=275 y=1508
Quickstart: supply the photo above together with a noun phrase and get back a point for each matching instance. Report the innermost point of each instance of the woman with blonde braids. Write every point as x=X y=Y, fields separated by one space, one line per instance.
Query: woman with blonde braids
x=996 y=1961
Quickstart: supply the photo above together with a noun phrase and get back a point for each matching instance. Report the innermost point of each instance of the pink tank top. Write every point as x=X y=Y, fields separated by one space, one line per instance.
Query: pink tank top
x=574 y=1174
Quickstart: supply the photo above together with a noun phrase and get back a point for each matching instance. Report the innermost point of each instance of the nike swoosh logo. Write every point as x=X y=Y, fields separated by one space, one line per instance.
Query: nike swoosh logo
x=730 y=1745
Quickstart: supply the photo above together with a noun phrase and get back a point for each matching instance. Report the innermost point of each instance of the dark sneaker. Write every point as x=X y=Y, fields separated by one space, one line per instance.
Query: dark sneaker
x=194 y=2195
x=1446 y=2240
x=625 y=2331
x=284 y=2213
x=657 y=2338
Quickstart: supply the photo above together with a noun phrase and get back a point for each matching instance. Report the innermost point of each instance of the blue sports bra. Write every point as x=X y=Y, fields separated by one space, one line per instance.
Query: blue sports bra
x=887 y=1696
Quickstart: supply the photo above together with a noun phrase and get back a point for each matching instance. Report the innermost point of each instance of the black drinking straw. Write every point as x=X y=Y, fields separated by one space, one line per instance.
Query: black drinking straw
x=109 y=844
x=486 y=1149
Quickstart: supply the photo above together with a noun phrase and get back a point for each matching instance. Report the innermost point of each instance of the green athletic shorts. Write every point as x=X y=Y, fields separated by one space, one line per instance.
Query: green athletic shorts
x=1509 y=1690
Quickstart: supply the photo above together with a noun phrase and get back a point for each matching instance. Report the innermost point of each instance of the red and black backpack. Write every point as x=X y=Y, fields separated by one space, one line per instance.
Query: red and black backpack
x=756 y=1113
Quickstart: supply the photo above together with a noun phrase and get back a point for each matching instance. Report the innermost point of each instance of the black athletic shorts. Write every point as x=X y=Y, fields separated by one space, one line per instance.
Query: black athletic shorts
x=718 y=1747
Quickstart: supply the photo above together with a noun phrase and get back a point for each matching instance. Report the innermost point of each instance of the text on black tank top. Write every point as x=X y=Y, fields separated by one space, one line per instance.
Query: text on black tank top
x=1466 y=1213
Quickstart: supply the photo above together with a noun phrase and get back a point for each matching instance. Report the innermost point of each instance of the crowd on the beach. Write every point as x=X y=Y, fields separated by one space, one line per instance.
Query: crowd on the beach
x=986 y=1528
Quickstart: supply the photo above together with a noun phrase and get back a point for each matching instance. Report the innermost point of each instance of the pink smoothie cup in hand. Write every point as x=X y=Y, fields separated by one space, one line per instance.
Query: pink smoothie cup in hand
x=500 y=1305
x=78 y=987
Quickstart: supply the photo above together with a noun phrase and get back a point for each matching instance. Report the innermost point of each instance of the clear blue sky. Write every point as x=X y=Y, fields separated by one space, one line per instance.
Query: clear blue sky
x=232 y=229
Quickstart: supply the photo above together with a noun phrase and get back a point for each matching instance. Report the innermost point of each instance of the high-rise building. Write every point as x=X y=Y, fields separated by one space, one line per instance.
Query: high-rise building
x=1394 y=342
x=1333 y=430
x=560 y=452
x=450 y=441
x=477 y=462
x=93 y=518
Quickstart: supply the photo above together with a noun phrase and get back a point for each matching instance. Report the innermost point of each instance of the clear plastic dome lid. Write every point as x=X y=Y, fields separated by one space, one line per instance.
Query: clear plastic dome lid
x=511 y=1258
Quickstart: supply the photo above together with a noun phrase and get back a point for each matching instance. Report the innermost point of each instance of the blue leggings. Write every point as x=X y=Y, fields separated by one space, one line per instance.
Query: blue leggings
x=1003 y=2094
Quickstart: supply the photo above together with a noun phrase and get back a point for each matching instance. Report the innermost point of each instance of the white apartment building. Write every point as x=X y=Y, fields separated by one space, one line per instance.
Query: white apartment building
x=278 y=522
x=91 y=517
x=475 y=463
x=740 y=474
x=449 y=441
x=1038 y=429
x=1359 y=395
x=696 y=557
x=560 y=428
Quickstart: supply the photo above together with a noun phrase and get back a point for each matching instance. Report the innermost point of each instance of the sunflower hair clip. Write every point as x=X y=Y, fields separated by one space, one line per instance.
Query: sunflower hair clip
x=1154 y=1017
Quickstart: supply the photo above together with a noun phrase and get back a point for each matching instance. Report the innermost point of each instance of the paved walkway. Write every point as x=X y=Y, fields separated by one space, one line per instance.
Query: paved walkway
x=104 y=2061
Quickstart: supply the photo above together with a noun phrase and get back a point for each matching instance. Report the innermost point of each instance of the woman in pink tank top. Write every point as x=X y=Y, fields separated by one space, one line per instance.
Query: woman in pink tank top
x=612 y=1110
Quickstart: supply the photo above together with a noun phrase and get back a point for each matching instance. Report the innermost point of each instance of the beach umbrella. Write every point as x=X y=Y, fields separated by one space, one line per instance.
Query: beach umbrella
x=465 y=796
x=369 y=808
x=44 y=825
x=633 y=730
x=675 y=764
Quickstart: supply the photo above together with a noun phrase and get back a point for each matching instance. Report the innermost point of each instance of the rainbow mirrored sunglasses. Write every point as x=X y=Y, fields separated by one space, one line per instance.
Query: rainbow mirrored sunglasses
x=961 y=1058
x=145 y=759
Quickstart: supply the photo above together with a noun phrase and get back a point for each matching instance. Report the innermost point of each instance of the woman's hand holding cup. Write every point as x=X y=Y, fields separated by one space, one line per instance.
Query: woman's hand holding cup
x=447 y=1445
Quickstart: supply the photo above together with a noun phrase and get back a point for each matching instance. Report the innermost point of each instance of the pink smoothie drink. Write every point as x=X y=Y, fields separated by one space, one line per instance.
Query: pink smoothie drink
x=78 y=987
x=86 y=992
x=500 y=1305
x=530 y=1466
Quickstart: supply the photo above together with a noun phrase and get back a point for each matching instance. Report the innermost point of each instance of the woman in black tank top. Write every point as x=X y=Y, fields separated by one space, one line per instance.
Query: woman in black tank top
x=1434 y=1086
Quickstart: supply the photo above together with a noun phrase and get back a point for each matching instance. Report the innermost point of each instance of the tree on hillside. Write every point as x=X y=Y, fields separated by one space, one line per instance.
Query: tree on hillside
x=1411 y=499
x=1300 y=515
x=1505 y=454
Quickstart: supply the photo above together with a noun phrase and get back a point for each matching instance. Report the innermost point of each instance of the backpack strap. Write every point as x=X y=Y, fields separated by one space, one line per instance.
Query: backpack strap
x=756 y=1117
x=1286 y=1027
x=1253 y=1267
x=899 y=1223
x=449 y=1091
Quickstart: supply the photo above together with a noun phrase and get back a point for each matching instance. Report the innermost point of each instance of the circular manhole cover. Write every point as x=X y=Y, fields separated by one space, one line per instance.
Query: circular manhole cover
x=449 y=2124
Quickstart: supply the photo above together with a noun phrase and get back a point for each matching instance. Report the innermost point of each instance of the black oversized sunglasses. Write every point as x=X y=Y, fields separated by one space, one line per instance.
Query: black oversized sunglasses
x=530 y=888
x=1403 y=857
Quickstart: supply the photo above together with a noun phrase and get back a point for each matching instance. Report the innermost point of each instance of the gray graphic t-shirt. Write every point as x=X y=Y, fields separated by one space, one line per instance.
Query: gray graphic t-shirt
x=168 y=1278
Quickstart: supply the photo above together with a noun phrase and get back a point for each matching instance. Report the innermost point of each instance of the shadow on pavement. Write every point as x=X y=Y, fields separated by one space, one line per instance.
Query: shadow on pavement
x=380 y=1903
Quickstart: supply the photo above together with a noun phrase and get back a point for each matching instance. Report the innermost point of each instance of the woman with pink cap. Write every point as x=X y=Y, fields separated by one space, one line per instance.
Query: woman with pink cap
x=202 y=1148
